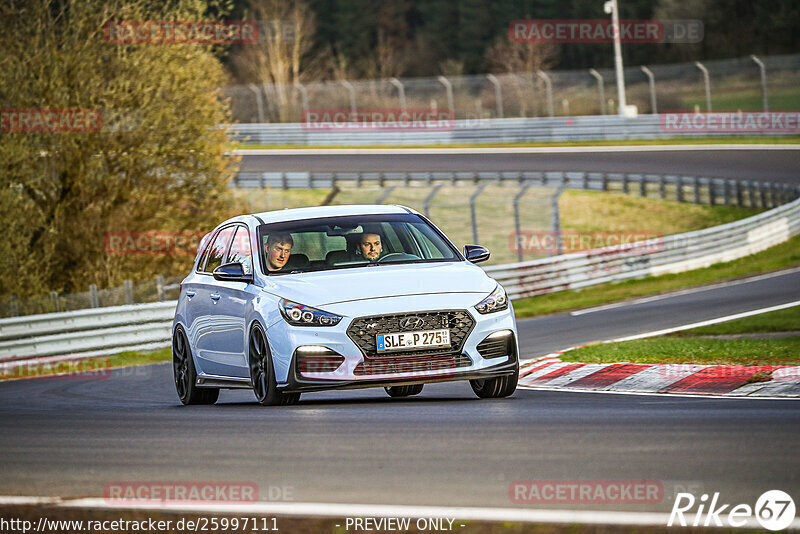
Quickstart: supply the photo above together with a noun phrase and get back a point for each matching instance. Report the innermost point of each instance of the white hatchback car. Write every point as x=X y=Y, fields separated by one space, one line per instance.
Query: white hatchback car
x=338 y=297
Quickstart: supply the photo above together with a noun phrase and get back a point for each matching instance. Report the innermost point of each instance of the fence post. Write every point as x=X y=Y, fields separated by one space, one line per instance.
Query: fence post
x=385 y=195
x=696 y=189
x=662 y=190
x=352 y=91
x=712 y=192
x=426 y=207
x=738 y=187
x=707 y=83
x=651 y=81
x=472 y=199
x=498 y=94
x=401 y=91
x=625 y=183
x=762 y=68
x=259 y=104
x=128 y=291
x=604 y=186
x=751 y=189
x=303 y=94
x=642 y=185
x=601 y=89
x=94 y=301
x=12 y=303
x=555 y=225
x=54 y=299
x=679 y=189
x=449 y=87
x=517 y=228
x=763 y=191
x=160 y=287
x=548 y=87
x=727 y=191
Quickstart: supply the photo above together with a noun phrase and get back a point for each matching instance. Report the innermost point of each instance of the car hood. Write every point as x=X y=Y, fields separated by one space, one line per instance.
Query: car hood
x=346 y=285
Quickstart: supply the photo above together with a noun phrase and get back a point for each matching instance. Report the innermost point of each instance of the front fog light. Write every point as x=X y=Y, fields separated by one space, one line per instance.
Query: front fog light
x=496 y=301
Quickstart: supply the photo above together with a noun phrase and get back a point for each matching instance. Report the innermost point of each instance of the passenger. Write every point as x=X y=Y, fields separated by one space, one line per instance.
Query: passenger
x=370 y=246
x=279 y=248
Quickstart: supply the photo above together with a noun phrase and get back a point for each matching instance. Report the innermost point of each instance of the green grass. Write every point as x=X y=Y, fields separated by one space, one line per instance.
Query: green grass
x=88 y=366
x=748 y=100
x=783 y=351
x=581 y=211
x=787 y=320
x=778 y=257
x=793 y=139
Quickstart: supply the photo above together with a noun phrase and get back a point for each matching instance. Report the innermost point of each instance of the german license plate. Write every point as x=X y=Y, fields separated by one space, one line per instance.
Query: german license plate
x=422 y=339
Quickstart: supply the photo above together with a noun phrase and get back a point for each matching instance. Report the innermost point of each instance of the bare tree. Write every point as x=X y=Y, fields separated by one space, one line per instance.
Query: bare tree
x=506 y=57
x=278 y=60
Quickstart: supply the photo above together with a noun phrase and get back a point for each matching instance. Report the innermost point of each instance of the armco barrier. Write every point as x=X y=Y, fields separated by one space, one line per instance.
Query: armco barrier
x=524 y=130
x=697 y=189
x=103 y=331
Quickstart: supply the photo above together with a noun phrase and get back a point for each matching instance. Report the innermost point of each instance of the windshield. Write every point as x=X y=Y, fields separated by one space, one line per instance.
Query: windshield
x=351 y=242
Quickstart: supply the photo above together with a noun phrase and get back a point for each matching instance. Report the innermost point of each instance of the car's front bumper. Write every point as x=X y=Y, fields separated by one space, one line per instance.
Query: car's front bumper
x=358 y=370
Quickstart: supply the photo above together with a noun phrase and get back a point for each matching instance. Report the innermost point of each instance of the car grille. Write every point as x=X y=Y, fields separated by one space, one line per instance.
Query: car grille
x=496 y=347
x=364 y=329
x=407 y=364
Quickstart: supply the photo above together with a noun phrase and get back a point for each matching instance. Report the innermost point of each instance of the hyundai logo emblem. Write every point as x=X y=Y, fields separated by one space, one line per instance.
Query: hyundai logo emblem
x=410 y=323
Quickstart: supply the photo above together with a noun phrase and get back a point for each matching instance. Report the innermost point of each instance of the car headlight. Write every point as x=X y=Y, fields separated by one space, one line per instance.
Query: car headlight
x=300 y=315
x=497 y=301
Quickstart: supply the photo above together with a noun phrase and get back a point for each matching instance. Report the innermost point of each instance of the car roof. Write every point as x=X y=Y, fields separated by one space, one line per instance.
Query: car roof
x=315 y=212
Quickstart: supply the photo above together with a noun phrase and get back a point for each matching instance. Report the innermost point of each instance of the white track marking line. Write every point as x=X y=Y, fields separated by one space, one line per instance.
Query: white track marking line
x=380 y=510
x=684 y=292
x=504 y=150
x=707 y=323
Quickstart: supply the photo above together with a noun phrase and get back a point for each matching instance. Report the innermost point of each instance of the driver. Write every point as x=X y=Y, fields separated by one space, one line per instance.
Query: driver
x=279 y=248
x=370 y=246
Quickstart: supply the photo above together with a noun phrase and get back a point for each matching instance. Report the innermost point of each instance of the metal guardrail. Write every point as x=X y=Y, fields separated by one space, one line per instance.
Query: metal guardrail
x=103 y=331
x=697 y=189
x=671 y=254
x=523 y=130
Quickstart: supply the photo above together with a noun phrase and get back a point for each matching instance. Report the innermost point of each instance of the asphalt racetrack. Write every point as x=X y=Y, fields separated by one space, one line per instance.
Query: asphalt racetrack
x=744 y=163
x=71 y=437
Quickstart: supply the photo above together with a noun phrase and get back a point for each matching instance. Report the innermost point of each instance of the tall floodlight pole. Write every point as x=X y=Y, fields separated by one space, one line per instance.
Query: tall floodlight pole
x=611 y=7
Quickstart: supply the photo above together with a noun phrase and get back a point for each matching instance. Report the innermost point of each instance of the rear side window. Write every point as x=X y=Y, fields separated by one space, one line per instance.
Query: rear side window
x=240 y=250
x=217 y=249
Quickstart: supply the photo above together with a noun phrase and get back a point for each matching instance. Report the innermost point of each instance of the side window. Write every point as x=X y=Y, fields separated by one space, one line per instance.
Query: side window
x=240 y=250
x=216 y=252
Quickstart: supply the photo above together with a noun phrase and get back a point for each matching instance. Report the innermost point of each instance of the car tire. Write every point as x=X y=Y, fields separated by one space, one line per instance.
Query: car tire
x=262 y=373
x=495 y=388
x=404 y=391
x=185 y=373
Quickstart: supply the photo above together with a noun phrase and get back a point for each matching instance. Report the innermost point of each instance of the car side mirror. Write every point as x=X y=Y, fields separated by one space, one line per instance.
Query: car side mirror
x=232 y=272
x=476 y=253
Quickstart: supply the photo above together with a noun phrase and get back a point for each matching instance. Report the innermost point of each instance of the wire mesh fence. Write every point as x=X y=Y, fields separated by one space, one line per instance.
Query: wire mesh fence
x=734 y=84
x=157 y=290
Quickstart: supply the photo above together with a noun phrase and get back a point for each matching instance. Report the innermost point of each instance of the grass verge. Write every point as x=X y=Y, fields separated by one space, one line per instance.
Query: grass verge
x=775 y=258
x=787 y=320
x=793 y=139
x=89 y=368
x=696 y=350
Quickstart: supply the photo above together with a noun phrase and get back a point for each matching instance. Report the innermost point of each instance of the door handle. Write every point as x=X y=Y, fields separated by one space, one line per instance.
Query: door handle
x=215 y=296
x=190 y=293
